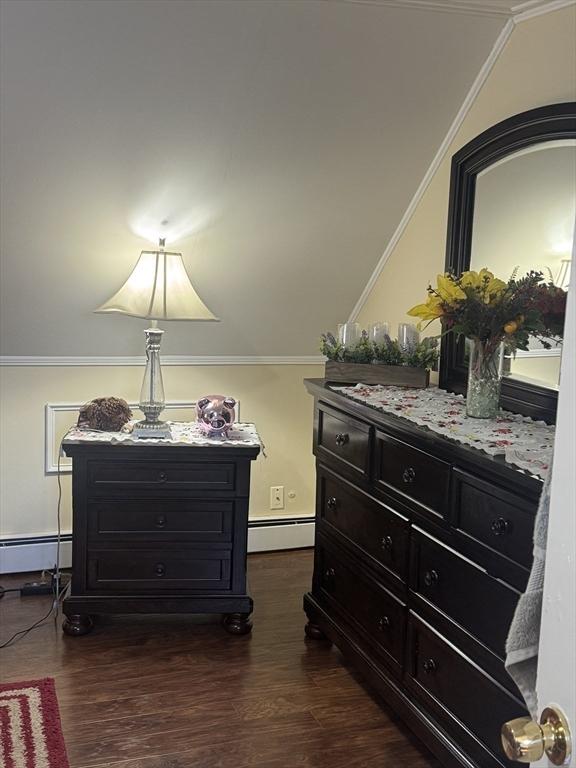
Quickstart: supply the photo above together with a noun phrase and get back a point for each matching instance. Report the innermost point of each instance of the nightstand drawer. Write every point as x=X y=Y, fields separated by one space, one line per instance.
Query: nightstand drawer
x=344 y=440
x=153 y=570
x=108 y=477
x=161 y=520
x=380 y=616
x=445 y=677
x=412 y=472
x=463 y=591
x=364 y=523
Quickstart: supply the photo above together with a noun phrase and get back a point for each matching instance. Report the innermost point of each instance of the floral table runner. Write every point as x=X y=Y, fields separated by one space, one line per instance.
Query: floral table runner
x=183 y=433
x=523 y=442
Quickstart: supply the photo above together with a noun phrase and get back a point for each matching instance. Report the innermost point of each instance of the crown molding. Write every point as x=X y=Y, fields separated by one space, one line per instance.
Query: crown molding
x=481 y=78
x=530 y=10
x=23 y=361
x=469 y=8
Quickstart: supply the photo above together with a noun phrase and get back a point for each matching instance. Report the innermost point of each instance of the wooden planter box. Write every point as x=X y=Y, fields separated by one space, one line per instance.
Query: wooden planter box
x=358 y=373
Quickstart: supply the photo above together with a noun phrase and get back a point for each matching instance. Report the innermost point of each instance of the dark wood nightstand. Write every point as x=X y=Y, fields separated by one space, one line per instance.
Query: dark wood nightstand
x=160 y=526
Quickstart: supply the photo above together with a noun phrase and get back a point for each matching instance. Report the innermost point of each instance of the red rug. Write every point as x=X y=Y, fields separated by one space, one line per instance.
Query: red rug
x=30 y=730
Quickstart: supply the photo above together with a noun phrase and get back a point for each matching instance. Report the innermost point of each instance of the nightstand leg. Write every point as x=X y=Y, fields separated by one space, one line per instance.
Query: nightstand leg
x=314 y=632
x=237 y=623
x=77 y=624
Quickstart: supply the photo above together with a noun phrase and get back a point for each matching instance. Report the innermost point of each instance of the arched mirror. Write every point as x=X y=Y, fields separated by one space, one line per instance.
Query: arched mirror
x=513 y=206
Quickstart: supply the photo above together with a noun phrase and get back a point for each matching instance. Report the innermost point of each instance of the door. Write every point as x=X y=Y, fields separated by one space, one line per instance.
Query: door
x=556 y=678
x=556 y=681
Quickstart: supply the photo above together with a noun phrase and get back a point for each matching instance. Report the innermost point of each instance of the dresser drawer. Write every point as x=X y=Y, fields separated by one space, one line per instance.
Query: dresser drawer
x=343 y=439
x=367 y=525
x=412 y=472
x=380 y=616
x=161 y=520
x=494 y=518
x=478 y=602
x=153 y=570
x=110 y=477
x=440 y=674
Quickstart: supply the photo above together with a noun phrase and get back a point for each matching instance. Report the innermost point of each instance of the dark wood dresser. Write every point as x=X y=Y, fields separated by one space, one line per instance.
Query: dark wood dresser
x=423 y=547
x=159 y=528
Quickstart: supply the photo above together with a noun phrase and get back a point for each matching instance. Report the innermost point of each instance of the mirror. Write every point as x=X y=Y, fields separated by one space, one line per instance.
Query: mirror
x=513 y=205
x=524 y=214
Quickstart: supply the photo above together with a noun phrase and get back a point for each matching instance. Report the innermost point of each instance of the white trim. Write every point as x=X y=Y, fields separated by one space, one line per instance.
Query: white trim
x=555 y=352
x=50 y=448
x=438 y=158
x=38 y=556
x=539 y=10
x=73 y=361
x=468 y=7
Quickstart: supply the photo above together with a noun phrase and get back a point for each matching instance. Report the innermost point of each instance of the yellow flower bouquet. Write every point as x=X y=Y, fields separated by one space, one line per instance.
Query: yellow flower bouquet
x=494 y=315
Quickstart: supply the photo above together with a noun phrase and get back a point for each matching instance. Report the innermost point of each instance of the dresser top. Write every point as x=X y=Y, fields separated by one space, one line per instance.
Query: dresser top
x=397 y=421
x=183 y=433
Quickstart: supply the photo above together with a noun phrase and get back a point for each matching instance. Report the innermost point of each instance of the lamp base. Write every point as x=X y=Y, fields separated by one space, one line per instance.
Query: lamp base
x=153 y=430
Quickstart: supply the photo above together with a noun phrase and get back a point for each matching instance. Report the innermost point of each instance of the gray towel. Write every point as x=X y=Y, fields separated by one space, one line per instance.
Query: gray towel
x=524 y=634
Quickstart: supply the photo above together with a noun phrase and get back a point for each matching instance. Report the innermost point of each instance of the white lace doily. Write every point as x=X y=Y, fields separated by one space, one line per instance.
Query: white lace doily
x=182 y=433
x=526 y=443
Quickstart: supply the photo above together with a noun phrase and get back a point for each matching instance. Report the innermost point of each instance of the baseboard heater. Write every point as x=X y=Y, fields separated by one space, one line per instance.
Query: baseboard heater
x=35 y=553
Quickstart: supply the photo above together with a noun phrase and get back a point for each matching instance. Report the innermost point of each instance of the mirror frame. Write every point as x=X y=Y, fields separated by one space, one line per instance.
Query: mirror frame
x=550 y=123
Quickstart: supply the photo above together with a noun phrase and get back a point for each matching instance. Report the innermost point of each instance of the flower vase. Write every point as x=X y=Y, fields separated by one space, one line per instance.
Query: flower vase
x=484 y=378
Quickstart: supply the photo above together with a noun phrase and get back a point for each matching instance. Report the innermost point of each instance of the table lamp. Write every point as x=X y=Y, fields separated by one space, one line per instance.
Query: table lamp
x=157 y=289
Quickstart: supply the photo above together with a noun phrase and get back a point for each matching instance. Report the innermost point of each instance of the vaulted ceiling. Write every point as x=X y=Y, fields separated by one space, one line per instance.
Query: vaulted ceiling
x=281 y=141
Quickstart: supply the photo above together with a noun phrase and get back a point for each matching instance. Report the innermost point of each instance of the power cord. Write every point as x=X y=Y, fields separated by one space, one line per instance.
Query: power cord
x=56 y=576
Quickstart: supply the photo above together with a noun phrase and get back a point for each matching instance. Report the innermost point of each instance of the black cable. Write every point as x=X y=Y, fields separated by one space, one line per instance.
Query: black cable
x=54 y=608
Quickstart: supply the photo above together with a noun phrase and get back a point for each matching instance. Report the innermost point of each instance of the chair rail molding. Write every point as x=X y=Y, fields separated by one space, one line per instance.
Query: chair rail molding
x=58 y=361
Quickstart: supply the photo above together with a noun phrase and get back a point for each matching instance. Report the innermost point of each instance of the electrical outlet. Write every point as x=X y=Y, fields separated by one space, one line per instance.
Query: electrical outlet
x=276 y=497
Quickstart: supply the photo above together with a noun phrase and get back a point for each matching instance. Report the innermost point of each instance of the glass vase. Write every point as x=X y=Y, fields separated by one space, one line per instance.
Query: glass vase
x=484 y=378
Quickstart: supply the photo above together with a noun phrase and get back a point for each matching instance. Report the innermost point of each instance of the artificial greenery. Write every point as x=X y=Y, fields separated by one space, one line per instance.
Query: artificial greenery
x=423 y=354
x=483 y=307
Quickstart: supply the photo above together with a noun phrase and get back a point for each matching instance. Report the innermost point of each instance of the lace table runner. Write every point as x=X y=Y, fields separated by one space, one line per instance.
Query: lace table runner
x=526 y=443
x=183 y=433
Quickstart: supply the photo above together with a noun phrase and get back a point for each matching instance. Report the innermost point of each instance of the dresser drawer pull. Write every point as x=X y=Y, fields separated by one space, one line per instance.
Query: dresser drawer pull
x=329 y=576
x=342 y=438
x=160 y=569
x=499 y=526
x=429 y=666
x=162 y=477
x=409 y=475
x=386 y=542
x=431 y=578
x=384 y=623
x=160 y=521
x=332 y=503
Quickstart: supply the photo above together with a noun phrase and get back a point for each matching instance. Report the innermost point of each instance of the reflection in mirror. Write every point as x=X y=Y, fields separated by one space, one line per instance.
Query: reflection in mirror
x=524 y=217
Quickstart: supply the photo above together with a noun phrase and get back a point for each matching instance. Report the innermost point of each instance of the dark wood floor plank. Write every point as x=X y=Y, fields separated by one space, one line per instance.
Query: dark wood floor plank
x=178 y=692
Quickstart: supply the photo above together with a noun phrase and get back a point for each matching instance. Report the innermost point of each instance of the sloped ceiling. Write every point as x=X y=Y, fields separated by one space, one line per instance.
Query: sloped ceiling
x=280 y=140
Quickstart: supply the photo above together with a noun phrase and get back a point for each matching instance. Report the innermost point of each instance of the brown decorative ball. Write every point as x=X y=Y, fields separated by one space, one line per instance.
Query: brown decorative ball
x=108 y=414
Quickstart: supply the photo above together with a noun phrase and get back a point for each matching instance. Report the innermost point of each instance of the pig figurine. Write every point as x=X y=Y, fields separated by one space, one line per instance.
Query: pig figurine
x=215 y=414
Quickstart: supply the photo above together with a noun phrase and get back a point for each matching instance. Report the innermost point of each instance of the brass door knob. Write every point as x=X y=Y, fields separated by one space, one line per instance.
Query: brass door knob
x=525 y=741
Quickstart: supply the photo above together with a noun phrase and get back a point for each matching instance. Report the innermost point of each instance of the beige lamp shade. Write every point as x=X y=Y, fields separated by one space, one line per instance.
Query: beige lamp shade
x=159 y=289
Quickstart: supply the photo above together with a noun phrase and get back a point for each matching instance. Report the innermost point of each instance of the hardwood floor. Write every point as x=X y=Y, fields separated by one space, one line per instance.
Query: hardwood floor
x=179 y=692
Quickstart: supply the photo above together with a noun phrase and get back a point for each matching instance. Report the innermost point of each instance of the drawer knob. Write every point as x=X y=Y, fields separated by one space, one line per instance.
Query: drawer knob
x=332 y=503
x=330 y=573
x=386 y=542
x=409 y=475
x=431 y=577
x=499 y=526
x=342 y=438
x=384 y=623
x=429 y=666
x=160 y=521
x=162 y=477
x=160 y=569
